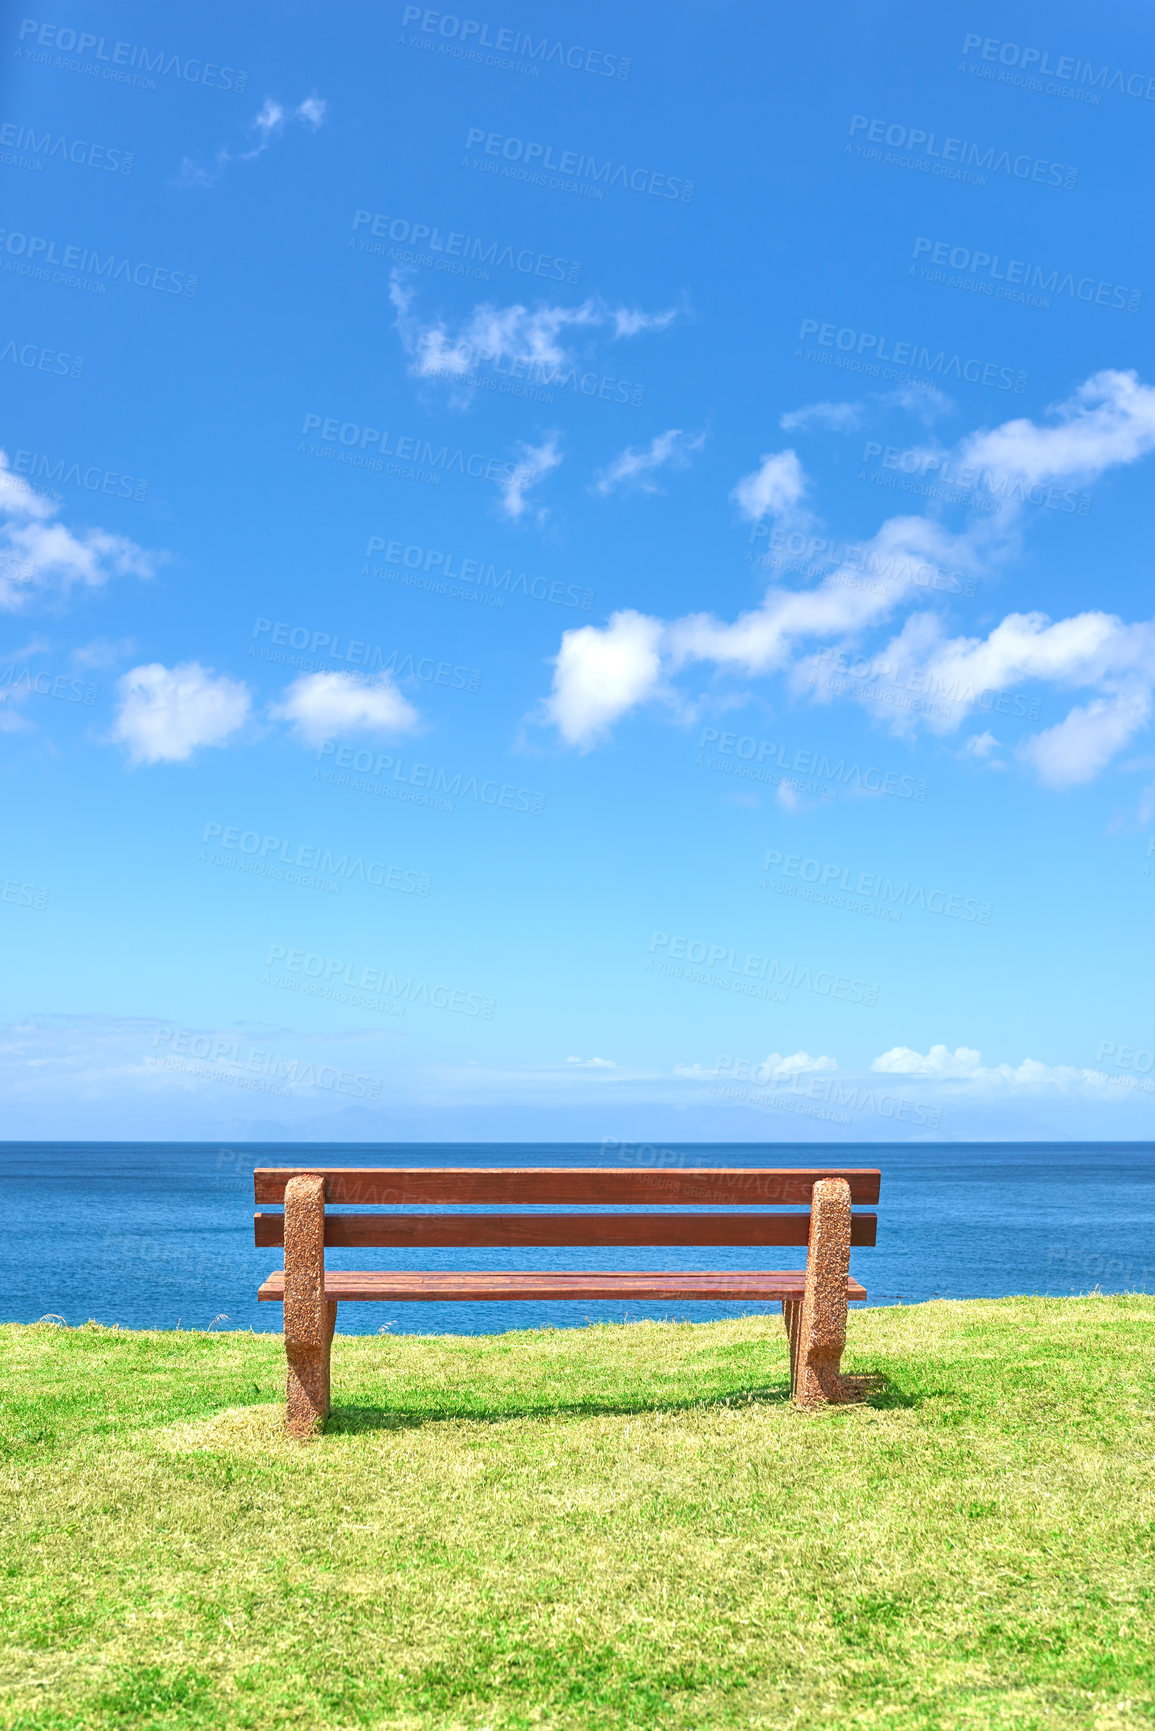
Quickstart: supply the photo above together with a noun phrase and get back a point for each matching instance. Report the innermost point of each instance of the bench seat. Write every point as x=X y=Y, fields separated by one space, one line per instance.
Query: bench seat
x=688 y=1206
x=398 y=1288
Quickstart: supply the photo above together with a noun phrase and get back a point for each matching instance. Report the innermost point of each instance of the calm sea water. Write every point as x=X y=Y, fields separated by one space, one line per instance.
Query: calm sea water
x=151 y=1234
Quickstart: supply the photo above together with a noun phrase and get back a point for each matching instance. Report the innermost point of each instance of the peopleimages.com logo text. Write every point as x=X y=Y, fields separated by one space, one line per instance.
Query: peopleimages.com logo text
x=983 y=267
x=531 y=155
x=990 y=484
x=49 y=145
x=815 y=553
x=834 y=882
x=126 y=56
x=754 y=754
x=435 y=562
x=329 y=646
x=63 y=686
x=347 y=982
x=36 y=253
x=920 y=143
x=23 y=895
x=920 y=356
x=62 y=472
x=36 y=358
x=224 y=1060
x=362 y=443
x=427 y=777
x=828 y=1089
x=519 y=43
x=466 y=247
x=1068 y=66
x=718 y=961
x=312 y=856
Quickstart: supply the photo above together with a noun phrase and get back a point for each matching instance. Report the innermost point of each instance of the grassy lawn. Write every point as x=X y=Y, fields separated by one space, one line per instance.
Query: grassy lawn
x=613 y=1526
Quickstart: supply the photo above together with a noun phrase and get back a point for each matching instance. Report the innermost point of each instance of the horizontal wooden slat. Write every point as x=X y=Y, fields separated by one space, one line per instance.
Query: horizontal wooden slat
x=421 y=1231
x=534 y=1186
x=456 y=1288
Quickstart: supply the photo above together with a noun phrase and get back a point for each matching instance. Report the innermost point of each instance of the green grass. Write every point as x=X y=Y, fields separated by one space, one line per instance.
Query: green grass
x=605 y=1527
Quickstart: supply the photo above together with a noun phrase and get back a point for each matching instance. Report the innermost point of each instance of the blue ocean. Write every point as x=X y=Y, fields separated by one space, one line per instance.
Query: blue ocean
x=156 y=1235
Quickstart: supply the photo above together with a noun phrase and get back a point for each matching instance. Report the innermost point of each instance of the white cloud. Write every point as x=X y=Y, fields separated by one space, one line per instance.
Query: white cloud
x=103 y=653
x=1088 y=738
x=38 y=554
x=267 y=124
x=528 y=337
x=535 y=463
x=1032 y=646
x=167 y=713
x=925 y=401
x=773 y=1068
x=797 y=1064
x=629 y=322
x=1109 y=420
x=600 y=673
x=981 y=745
x=764 y=638
x=323 y=706
x=593 y=1063
x=939 y=1061
x=625 y=665
x=965 y=1068
x=1088 y=650
x=830 y=417
x=774 y=488
x=637 y=467
x=70 y=1076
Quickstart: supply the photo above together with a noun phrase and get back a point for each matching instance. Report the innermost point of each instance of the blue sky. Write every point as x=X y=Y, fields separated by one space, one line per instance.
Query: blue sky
x=577 y=575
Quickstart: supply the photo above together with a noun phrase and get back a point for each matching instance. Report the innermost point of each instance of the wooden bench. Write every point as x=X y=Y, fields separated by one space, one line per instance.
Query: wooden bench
x=814 y=1300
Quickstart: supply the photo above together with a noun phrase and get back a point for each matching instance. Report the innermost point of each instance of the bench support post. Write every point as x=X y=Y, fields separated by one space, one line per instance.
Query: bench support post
x=817 y=1324
x=309 y=1317
x=792 y=1318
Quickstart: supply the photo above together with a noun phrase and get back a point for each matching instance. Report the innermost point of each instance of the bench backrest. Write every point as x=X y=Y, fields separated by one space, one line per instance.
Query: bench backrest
x=702 y=1188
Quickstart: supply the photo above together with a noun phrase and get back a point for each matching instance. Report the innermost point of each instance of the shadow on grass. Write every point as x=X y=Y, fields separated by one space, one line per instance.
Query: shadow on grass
x=879 y=1392
x=348 y=1419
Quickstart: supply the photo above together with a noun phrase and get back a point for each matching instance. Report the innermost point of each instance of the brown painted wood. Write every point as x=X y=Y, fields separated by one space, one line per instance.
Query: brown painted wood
x=418 y=1231
x=399 y=1186
x=404 y=1288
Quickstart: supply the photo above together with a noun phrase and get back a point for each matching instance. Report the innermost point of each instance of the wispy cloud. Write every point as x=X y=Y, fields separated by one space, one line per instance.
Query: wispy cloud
x=535 y=463
x=601 y=673
x=636 y=468
x=38 y=554
x=531 y=337
x=631 y=322
x=927 y=402
x=268 y=124
x=1109 y=420
x=103 y=653
x=828 y=417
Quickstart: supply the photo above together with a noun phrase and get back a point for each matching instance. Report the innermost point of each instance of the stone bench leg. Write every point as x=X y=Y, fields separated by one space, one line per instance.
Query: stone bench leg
x=817 y=1324
x=309 y=1317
